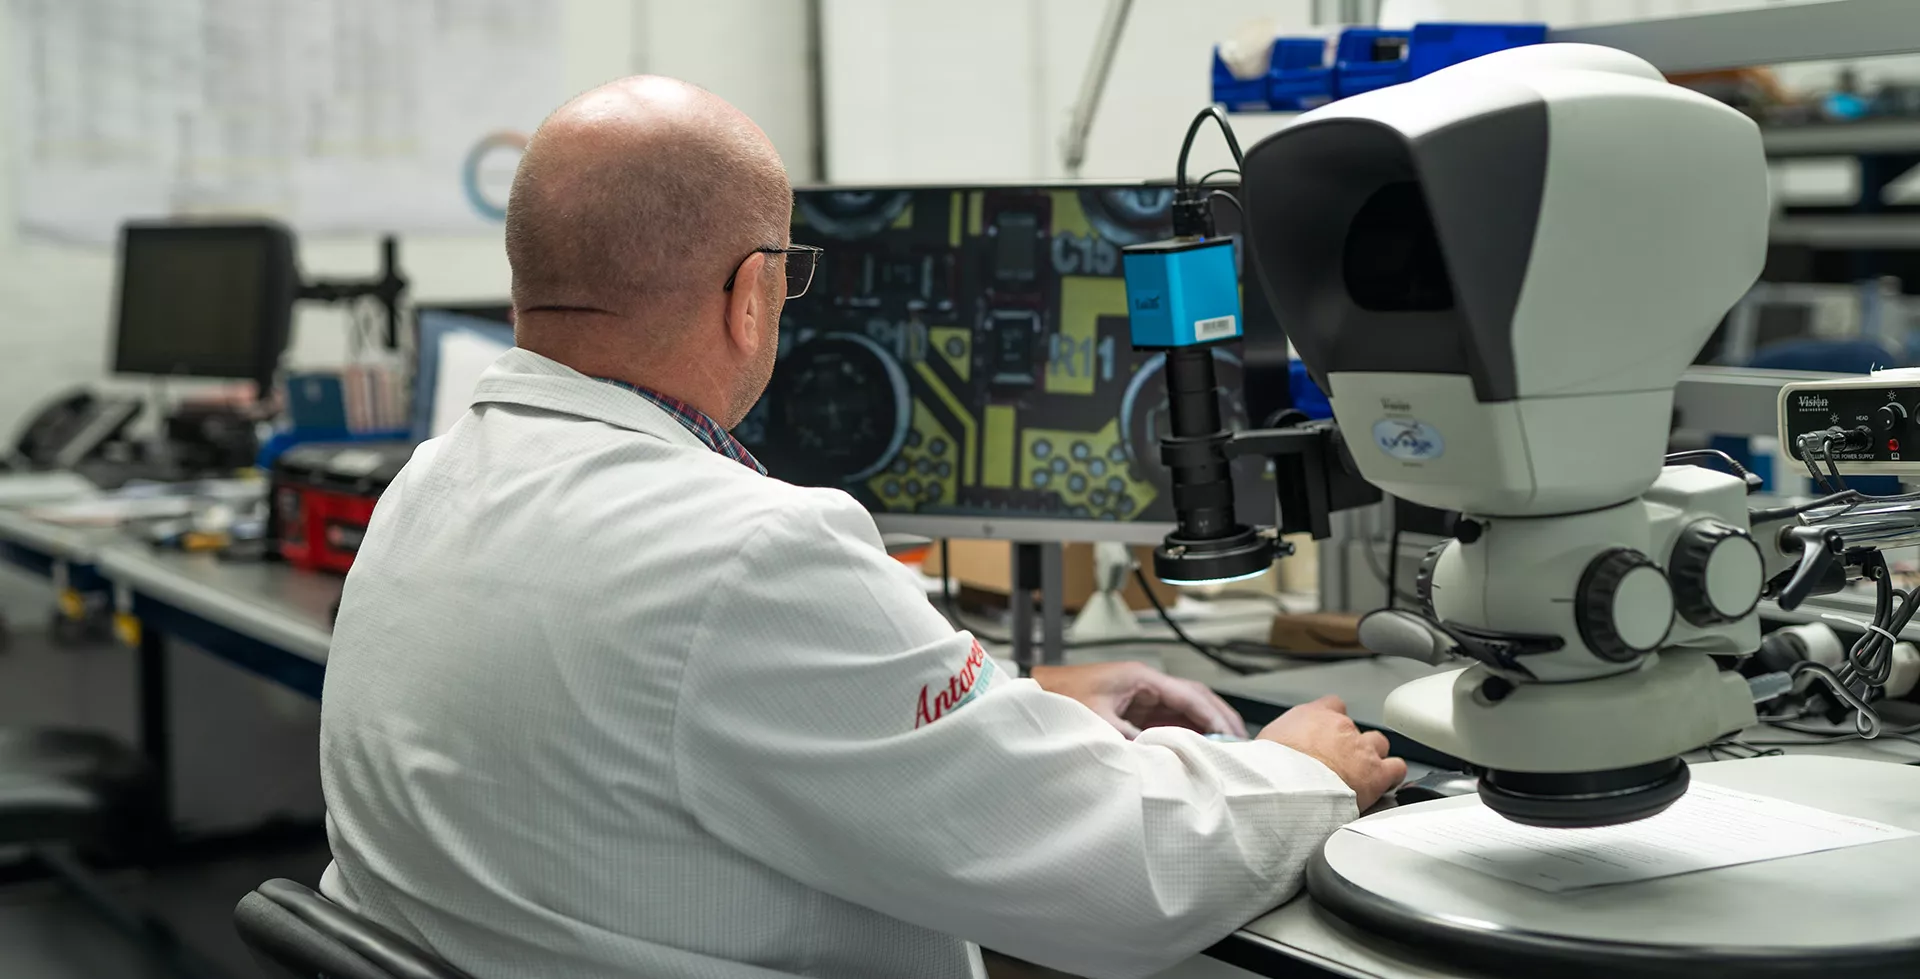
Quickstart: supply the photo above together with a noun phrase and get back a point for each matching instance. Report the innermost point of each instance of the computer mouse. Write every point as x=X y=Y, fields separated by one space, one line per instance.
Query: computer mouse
x=1437 y=785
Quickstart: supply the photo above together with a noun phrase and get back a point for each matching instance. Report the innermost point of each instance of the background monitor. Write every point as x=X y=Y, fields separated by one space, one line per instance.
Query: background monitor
x=204 y=300
x=961 y=364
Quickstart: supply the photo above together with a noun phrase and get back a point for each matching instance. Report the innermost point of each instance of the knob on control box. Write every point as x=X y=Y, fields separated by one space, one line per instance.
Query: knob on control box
x=1891 y=417
x=1862 y=426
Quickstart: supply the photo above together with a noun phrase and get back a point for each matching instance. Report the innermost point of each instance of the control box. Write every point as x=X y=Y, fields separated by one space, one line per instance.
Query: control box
x=1871 y=422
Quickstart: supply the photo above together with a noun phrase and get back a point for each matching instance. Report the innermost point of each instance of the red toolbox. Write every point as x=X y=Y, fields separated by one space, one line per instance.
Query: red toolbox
x=323 y=496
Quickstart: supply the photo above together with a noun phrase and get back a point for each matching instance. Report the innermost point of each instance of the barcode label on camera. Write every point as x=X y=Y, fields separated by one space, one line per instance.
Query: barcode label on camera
x=1215 y=329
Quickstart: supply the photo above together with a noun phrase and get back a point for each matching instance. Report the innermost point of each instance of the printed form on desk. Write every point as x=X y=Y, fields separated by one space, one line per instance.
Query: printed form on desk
x=1710 y=827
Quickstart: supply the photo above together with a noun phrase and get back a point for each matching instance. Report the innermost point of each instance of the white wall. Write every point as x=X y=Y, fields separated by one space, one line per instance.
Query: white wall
x=751 y=52
x=923 y=91
x=929 y=91
x=55 y=300
x=981 y=91
x=1161 y=76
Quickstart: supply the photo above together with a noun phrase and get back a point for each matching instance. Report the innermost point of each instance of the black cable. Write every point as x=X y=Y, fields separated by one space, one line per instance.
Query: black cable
x=1229 y=198
x=1725 y=746
x=1393 y=560
x=1181 y=638
x=1796 y=509
x=1691 y=455
x=1825 y=453
x=1833 y=466
x=1820 y=736
x=1202 y=182
x=1254 y=647
x=954 y=616
x=1802 y=729
x=1831 y=739
x=1219 y=116
x=1379 y=573
x=1715 y=749
x=1819 y=481
x=1181 y=634
x=1870 y=658
x=1868 y=663
x=1806 y=456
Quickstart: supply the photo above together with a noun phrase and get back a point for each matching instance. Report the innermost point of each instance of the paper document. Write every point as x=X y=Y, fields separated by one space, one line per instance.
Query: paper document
x=1709 y=827
x=463 y=358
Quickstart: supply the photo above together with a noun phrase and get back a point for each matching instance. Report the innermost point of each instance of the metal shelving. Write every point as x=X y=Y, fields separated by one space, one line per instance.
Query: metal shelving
x=1848 y=231
x=1844 y=138
x=1825 y=31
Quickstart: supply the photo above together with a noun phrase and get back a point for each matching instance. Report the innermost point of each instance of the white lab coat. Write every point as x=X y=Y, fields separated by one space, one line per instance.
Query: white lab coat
x=604 y=703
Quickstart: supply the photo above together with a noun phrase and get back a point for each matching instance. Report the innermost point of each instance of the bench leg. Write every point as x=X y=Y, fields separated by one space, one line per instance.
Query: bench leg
x=156 y=725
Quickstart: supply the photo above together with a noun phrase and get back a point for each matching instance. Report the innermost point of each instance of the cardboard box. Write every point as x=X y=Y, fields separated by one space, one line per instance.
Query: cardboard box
x=987 y=566
x=1317 y=632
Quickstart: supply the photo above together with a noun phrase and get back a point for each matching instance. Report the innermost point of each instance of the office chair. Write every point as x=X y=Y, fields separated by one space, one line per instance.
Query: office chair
x=64 y=793
x=296 y=933
x=76 y=789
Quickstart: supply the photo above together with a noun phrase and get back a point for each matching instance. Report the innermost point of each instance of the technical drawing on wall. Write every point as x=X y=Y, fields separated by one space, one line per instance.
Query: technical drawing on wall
x=333 y=115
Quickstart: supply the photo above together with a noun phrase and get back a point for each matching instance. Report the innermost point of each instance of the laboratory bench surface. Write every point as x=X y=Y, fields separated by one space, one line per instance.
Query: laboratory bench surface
x=276 y=621
x=75 y=544
x=280 y=606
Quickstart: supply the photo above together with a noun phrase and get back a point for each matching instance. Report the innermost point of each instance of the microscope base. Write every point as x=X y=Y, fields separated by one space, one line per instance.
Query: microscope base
x=1841 y=912
x=1676 y=702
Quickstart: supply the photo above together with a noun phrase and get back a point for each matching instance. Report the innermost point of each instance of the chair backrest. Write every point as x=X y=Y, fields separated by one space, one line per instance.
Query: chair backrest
x=295 y=933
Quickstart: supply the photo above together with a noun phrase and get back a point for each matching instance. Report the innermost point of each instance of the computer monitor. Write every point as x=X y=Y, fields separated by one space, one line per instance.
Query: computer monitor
x=961 y=364
x=453 y=345
x=204 y=300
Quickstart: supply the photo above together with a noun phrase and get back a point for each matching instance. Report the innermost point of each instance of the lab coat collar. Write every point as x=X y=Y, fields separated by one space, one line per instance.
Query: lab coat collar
x=522 y=377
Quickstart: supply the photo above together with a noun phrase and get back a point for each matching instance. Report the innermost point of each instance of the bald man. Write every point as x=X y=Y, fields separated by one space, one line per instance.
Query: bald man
x=604 y=700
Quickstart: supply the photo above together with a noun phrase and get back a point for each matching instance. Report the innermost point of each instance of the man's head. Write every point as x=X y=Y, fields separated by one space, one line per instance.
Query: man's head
x=633 y=205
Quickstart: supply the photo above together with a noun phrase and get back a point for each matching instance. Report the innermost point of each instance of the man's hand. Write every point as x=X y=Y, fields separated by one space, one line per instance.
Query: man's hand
x=1323 y=730
x=1135 y=696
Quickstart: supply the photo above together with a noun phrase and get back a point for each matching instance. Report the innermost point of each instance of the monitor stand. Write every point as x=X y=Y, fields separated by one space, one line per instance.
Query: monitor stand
x=1038 y=567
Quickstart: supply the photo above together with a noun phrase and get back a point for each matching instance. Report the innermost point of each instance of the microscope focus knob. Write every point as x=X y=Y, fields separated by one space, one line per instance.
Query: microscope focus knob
x=1717 y=573
x=1624 y=605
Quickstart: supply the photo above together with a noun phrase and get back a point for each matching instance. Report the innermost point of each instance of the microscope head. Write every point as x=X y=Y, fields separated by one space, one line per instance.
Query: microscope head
x=1498 y=271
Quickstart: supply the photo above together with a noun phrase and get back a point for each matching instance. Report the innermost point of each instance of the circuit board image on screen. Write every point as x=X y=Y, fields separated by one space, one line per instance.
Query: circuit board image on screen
x=964 y=352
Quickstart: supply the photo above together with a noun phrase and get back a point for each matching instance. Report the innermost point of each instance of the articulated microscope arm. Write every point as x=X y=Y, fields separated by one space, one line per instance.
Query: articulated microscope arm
x=1814 y=551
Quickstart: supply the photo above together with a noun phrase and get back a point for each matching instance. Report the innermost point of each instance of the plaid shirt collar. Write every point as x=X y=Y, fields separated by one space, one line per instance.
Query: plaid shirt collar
x=703 y=427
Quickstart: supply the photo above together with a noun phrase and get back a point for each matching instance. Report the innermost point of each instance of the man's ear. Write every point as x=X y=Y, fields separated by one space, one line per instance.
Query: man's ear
x=747 y=305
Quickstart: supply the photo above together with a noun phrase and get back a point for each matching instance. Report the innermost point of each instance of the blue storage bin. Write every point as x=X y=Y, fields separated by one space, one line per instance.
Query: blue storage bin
x=1300 y=78
x=1369 y=58
x=1307 y=396
x=1435 y=46
x=1238 y=95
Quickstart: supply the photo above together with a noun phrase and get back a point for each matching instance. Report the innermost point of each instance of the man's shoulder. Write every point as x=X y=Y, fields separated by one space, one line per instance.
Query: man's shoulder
x=775 y=508
x=601 y=487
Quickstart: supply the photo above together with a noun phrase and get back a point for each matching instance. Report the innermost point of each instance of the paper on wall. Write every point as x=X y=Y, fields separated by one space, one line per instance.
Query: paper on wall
x=337 y=116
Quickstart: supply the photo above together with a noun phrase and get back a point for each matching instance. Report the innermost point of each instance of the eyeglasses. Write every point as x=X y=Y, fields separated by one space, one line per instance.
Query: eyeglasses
x=801 y=261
